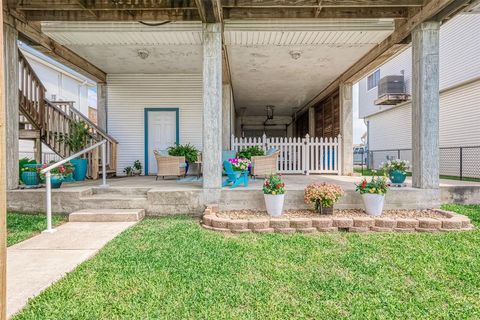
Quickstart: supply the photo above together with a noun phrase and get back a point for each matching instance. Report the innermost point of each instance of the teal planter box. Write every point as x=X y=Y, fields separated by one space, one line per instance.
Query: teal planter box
x=30 y=178
x=80 y=167
x=397 y=176
x=56 y=181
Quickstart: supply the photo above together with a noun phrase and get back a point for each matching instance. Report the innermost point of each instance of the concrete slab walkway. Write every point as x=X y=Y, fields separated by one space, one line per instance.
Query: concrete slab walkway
x=35 y=264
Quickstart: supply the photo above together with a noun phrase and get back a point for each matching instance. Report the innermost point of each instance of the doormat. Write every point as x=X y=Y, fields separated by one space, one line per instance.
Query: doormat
x=191 y=179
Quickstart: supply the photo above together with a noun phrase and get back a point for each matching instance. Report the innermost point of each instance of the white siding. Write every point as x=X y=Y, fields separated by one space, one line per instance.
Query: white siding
x=391 y=129
x=459 y=50
x=129 y=94
x=459 y=61
x=459 y=121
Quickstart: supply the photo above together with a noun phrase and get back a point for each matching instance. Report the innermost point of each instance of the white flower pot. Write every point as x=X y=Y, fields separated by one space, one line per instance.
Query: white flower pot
x=274 y=204
x=373 y=203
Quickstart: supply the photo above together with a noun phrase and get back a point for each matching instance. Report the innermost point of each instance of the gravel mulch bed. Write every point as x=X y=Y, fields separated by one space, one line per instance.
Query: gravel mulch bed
x=250 y=214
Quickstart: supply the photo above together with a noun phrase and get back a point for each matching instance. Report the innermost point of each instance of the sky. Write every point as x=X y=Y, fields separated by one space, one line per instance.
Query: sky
x=359 y=127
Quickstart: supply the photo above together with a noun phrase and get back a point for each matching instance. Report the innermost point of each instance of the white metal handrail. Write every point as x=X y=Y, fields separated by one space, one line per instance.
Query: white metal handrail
x=48 y=176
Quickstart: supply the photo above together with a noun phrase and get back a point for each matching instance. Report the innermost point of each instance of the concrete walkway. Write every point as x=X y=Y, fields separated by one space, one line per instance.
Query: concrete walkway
x=35 y=264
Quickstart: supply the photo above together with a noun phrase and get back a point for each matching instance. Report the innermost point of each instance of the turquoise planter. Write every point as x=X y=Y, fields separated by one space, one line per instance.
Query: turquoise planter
x=56 y=181
x=397 y=176
x=80 y=167
x=30 y=178
x=69 y=178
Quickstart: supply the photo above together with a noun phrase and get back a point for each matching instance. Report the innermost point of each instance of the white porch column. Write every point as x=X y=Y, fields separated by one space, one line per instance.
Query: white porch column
x=346 y=128
x=311 y=122
x=425 y=105
x=102 y=105
x=212 y=111
x=11 y=104
x=226 y=116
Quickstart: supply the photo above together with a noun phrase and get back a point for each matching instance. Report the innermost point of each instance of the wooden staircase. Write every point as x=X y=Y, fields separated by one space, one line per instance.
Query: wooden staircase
x=49 y=120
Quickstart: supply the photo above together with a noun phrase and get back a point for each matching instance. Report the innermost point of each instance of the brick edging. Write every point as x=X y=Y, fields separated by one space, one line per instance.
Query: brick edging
x=450 y=222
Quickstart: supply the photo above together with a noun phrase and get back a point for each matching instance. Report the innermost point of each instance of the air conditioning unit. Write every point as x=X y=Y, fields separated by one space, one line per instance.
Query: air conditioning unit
x=391 y=90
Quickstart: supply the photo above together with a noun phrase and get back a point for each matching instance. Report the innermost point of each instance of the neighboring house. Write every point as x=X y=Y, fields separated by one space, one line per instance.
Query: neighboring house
x=390 y=126
x=62 y=84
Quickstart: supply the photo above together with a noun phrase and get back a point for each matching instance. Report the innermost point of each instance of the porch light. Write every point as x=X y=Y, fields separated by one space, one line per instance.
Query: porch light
x=269 y=110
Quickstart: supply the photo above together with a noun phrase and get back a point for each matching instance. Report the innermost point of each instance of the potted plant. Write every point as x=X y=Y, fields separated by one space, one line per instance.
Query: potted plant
x=373 y=194
x=137 y=167
x=76 y=141
x=186 y=150
x=323 y=196
x=128 y=171
x=58 y=174
x=28 y=165
x=30 y=175
x=249 y=152
x=396 y=170
x=274 y=194
x=240 y=164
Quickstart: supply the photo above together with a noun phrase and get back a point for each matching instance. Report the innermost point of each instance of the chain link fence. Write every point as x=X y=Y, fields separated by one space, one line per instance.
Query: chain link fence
x=455 y=162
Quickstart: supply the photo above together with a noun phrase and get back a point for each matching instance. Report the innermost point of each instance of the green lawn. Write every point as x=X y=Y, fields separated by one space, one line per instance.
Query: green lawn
x=170 y=268
x=23 y=226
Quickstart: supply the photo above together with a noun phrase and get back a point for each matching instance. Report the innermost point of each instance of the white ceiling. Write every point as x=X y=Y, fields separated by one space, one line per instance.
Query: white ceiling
x=262 y=68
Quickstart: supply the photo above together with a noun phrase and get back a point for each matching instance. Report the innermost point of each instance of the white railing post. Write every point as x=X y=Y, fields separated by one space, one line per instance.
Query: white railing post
x=306 y=154
x=339 y=157
x=48 y=186
x=104 y=166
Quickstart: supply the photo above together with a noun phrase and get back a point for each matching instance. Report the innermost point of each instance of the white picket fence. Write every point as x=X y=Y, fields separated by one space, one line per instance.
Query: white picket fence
x=299 y=155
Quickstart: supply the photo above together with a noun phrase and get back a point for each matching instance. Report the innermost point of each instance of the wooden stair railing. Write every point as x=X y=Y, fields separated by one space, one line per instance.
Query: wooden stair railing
x=31 y=94
x=54 y=120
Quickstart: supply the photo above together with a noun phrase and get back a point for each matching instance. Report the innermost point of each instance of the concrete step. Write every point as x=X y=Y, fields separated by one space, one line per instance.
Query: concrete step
x=127 y=191
x=114 y=201
x=107 y=215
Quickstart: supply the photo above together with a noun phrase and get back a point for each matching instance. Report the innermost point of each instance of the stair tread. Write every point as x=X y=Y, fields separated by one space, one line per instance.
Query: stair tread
x=105 y=196
x=107 y=215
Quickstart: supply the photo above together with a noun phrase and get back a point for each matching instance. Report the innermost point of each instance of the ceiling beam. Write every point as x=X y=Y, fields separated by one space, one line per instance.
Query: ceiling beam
x=325 y=13
x=32 y=34
x=113 y=15
x=326 y=3
x=397 y=41
x=104 y=5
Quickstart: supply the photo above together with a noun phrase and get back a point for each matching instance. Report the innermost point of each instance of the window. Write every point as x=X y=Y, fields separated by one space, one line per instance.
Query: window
x=373 y=79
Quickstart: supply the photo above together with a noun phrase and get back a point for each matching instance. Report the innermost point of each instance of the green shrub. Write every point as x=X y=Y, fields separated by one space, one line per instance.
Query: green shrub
x=249 y=152
x=184 y=150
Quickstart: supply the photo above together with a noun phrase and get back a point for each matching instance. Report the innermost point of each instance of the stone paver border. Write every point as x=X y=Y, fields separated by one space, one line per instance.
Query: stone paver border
x=448 y=221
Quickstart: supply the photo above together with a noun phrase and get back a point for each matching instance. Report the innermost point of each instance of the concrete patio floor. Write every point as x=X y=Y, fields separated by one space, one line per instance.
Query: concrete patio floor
x=35 y=264
x=292 y=182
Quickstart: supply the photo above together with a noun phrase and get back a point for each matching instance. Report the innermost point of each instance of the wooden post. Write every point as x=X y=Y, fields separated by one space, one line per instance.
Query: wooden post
x=38 y=150
x=3 y=182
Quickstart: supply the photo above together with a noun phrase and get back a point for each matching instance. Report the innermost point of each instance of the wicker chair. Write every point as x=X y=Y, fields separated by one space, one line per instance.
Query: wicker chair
x=264 y=165
x=169 y=165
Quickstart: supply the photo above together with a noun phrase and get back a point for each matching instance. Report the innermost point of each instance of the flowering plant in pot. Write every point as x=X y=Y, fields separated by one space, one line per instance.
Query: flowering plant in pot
x=58 y=174
x=396 y=170
x=137 y=167
x=373 y=194
x=240 y=164
x=323 y=196
x=274 y=194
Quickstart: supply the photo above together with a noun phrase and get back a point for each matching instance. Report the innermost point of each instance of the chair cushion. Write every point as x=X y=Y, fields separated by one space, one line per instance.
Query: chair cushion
x=163 y=153
x=271 y=151
x=183 y=165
